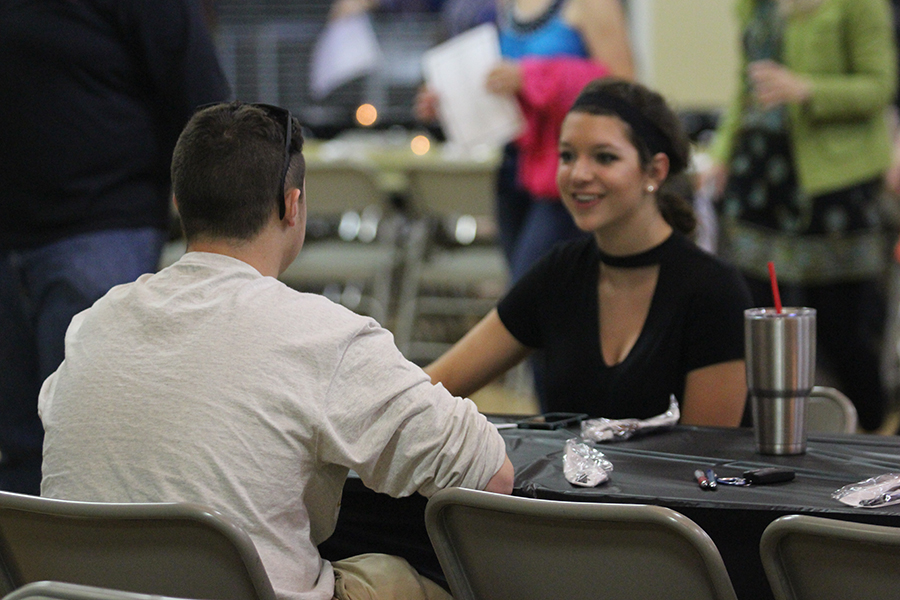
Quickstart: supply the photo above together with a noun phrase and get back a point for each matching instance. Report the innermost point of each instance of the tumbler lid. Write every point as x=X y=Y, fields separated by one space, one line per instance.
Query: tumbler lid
x=772 y=313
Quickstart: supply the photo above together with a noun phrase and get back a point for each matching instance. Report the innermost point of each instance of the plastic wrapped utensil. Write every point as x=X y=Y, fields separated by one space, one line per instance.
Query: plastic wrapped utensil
x=584 y=465
x=613 y=430
x=875 y=492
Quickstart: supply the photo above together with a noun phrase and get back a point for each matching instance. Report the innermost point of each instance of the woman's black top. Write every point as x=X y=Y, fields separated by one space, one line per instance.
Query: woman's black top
x=695 y=320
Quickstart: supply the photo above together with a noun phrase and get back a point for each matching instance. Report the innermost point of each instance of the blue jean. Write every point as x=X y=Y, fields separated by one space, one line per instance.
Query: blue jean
x=41 y=289
x=528 y=228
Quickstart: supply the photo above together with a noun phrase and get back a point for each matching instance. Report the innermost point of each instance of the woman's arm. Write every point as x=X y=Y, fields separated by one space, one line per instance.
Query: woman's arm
x=487 y=351
x=715 y=395
x=604 y=28
x=848 y=59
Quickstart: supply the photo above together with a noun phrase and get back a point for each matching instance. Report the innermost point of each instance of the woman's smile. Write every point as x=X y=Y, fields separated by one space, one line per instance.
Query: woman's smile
x=585 y=199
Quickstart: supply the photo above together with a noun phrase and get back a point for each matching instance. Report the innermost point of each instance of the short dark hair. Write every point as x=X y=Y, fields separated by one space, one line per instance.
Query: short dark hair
x=227 y=167
x=652 y=127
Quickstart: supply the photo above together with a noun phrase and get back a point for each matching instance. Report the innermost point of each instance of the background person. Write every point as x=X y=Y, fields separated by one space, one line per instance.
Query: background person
x=804 y=148
x=213 y=382
x=551 y=49
x=635 y=312
x=92 y=98
x=456 y=15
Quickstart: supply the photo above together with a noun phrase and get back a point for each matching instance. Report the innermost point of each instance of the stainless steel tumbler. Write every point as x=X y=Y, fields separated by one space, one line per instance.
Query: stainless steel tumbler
x=781 y=372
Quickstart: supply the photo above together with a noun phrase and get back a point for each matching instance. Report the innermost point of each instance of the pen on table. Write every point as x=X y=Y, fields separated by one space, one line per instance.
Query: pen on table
x=711 y=478
x=701 y=479
x=506 y=425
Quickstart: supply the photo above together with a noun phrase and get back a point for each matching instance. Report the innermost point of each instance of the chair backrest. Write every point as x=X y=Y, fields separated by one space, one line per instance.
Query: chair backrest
x=58 y=590
x=808 y=558
x=453 y=188
x=338 y=186
x=170 y=549
x=830 y=411
x=499 y=547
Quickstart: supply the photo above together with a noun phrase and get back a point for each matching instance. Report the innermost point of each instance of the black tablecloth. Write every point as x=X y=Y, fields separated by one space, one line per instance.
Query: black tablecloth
x=659 y=468
x=654 y=469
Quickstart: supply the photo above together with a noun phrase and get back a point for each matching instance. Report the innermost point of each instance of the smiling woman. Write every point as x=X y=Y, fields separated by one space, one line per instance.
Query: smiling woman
x=634 y=313
x=603 y=184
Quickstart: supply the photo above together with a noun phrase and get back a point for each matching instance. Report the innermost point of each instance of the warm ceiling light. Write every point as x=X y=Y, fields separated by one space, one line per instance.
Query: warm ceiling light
x=366 y=115
x=420 y=145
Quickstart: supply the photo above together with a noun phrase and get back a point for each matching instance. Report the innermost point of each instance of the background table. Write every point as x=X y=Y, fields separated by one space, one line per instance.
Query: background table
x=654 y=469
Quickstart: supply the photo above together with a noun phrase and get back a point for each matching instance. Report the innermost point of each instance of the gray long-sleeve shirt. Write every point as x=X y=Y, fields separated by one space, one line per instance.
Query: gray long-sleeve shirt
x=210 y=383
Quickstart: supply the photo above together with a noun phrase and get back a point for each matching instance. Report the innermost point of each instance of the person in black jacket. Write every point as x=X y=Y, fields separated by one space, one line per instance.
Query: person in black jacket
x=93 y=95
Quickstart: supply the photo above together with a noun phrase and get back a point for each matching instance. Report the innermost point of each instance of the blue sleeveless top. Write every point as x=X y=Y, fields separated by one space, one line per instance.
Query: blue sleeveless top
x=545 y=35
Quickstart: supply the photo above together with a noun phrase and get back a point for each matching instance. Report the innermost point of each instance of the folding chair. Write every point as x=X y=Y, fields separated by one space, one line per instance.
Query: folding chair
x=830 y=411
x=498 y=547
x=169 y=549
x=454 y=268
x=57 y=590
x=351 y=251
x=808 y=558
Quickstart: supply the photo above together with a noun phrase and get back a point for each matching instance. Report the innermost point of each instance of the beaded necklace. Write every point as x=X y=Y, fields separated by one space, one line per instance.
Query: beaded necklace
x=537 y=22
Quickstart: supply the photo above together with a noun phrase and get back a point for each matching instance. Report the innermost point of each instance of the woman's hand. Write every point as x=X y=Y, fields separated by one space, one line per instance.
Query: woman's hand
x=774 y=84
x=425 y=108
x=713 y=178
x=347 y=8
x=892 y=176
x=505 y=78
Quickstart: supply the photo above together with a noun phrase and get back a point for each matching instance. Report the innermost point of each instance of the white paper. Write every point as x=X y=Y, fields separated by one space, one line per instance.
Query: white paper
x=456 y=71
x=346 y=49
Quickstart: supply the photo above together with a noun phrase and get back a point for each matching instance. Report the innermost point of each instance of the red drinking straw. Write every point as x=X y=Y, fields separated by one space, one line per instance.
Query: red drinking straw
x=775 y=293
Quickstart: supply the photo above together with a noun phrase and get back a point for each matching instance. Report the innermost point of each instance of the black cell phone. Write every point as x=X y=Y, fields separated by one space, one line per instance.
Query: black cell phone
x=768 y=475
x=552 y=420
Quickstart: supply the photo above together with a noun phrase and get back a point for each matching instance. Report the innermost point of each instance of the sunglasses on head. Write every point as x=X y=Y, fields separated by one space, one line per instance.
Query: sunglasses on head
x=282 y=115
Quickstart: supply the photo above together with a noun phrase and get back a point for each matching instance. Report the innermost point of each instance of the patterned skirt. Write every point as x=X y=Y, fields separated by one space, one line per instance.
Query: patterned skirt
x=813 y=240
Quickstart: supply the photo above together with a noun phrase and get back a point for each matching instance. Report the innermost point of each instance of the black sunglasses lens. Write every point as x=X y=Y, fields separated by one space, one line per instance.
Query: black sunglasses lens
x=284 y=116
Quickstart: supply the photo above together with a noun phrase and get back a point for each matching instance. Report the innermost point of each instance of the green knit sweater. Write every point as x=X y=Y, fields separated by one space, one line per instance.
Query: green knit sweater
x=840 y=137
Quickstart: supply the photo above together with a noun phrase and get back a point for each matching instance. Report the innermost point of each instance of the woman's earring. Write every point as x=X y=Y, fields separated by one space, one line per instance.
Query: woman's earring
x=650 y=189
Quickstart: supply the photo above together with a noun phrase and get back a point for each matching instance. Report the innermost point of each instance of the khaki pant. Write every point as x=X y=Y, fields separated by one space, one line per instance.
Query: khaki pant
x=382 y=577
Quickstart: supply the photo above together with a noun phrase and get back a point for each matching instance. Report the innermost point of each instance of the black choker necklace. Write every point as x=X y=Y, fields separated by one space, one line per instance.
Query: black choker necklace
x=653 y=256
